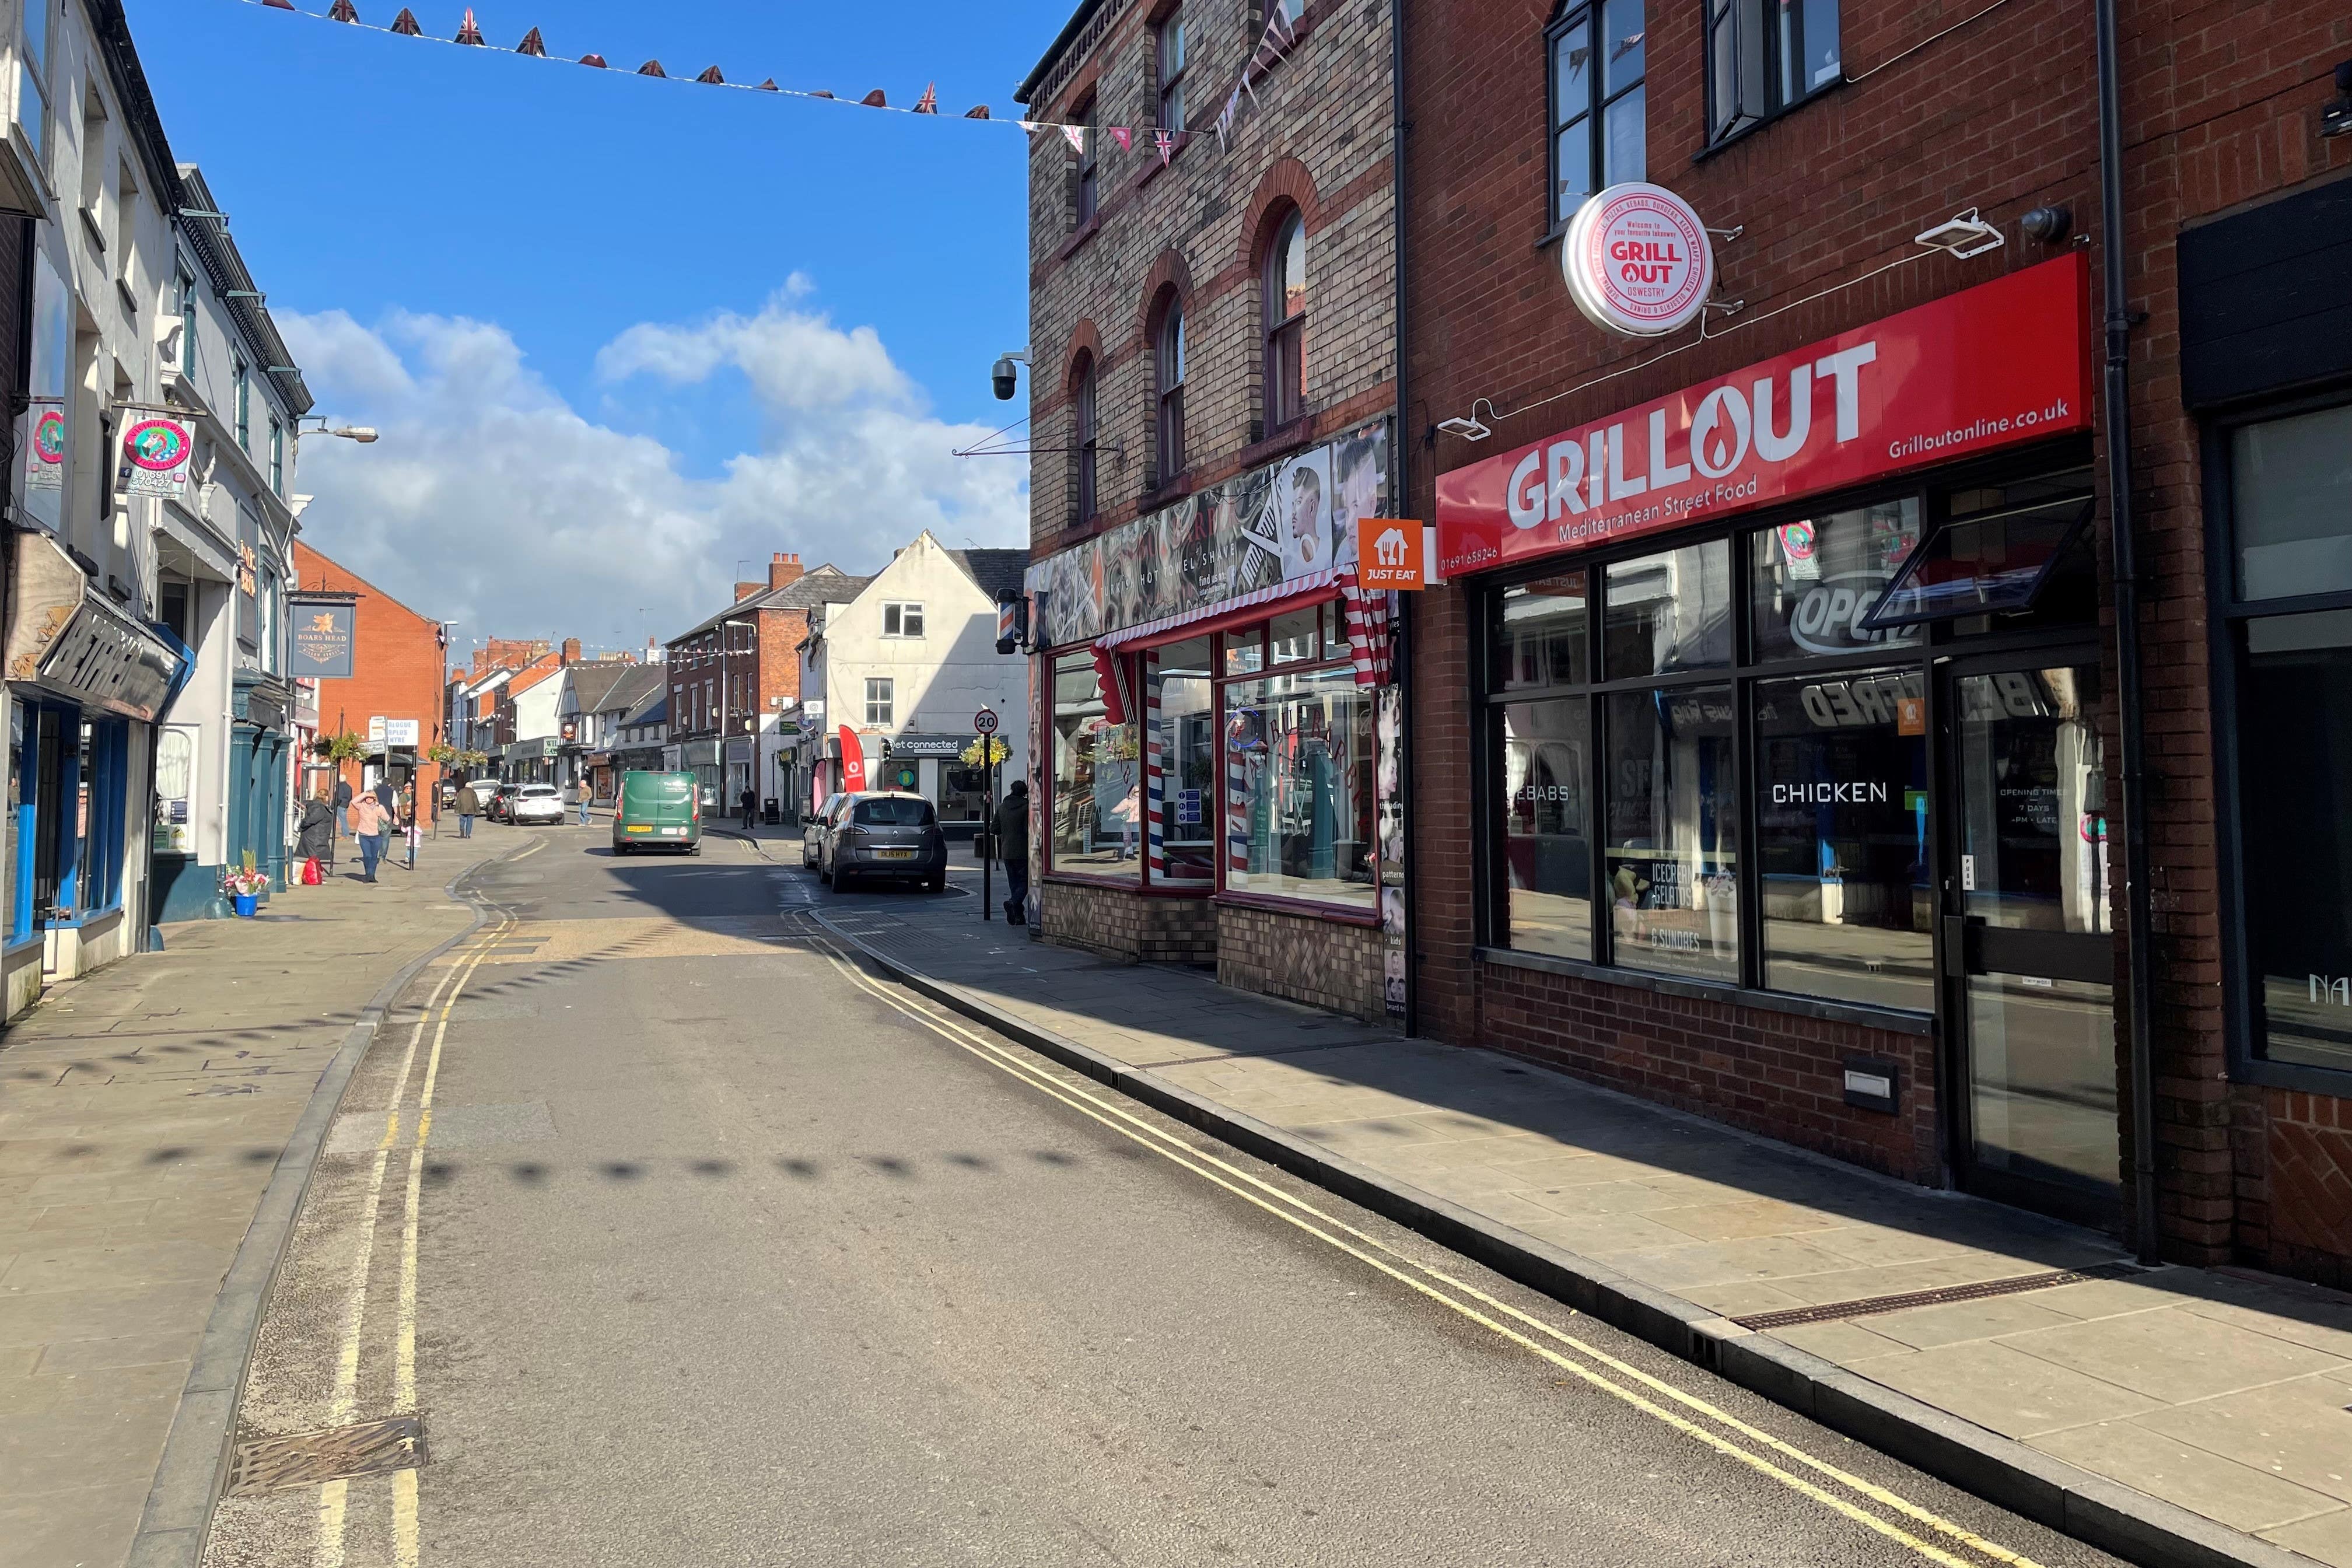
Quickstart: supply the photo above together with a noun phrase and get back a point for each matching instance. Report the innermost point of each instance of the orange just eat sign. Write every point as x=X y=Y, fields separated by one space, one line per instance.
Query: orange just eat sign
x=1391 y=552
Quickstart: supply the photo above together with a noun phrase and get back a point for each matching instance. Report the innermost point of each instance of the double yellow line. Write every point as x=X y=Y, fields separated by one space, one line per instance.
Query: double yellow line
x=334 y=1496
x=1696 y=1418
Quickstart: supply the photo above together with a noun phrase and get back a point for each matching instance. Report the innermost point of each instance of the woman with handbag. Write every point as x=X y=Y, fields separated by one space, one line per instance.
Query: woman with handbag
x=369 y=823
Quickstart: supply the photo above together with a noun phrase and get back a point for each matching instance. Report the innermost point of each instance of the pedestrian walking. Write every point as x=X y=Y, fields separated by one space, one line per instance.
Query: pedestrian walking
x=751 y=805
x=470 y=806
x=582 y=796
x=369 y=822
x=1011 y=832
x=316 y=841
x=343 y=809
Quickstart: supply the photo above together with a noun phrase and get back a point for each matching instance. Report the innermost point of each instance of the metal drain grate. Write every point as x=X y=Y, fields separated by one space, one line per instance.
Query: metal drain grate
x=307 y=1458
x=1872 y=1306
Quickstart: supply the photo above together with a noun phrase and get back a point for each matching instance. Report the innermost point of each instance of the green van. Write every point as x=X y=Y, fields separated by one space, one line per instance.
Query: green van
x=658 y=811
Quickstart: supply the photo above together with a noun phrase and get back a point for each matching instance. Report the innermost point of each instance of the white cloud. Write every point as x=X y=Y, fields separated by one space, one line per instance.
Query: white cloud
x=492 y=500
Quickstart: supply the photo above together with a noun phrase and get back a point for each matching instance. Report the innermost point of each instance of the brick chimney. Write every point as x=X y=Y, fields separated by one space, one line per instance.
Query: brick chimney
x=745 y=590
x=783 y=570
x=572 y=650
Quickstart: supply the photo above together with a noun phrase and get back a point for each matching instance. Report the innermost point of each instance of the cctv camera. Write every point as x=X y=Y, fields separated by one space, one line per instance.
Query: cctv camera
x=1004 y=379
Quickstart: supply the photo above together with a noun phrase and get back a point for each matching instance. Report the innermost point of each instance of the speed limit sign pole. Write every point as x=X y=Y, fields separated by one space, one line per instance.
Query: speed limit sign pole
x=983 y=724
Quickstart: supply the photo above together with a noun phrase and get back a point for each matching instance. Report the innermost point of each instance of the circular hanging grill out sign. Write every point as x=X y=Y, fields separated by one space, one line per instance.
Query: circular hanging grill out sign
x=1638 y=261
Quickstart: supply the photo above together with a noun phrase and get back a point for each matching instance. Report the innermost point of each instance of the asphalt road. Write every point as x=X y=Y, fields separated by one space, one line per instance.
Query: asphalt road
x=716 y=1254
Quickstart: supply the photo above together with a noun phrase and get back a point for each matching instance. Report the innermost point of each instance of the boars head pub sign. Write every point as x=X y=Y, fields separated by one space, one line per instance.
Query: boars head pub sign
x=323 y=631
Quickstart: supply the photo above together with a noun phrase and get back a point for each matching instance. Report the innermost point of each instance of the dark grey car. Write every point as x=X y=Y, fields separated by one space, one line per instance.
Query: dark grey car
x=884 y=835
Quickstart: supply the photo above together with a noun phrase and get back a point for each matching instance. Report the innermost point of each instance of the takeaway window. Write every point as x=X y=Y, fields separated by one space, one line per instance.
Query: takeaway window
x=1812 y=581
x=1668 y=612
x=1672 y=831
x=2290 y=538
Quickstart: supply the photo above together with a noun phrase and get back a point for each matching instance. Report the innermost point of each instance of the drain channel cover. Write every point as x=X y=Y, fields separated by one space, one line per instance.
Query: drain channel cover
x=307 y=1458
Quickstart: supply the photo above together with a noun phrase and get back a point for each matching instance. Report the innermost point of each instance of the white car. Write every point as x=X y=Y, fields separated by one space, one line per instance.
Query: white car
x=535 y=803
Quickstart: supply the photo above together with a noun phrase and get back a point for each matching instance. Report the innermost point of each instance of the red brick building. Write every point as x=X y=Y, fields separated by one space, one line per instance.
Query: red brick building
x=396 y=661
x=1783 y=771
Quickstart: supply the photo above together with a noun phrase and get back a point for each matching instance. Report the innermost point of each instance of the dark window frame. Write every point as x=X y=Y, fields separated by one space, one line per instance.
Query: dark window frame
x=1592 y=113
x=1088 y=178
x=1169 y=85
x=1085 y=442
x=2230 y=614
x=1167 y=389
x=1282 y=396
x=1718 y=17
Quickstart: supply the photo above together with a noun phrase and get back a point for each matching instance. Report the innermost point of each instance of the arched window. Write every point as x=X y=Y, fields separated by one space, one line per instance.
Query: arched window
x=1085 y=437
x=1286 y=323
x=1168 y=388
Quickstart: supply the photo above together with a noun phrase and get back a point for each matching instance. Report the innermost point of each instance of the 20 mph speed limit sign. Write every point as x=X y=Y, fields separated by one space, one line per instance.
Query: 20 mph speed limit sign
x=984 y=721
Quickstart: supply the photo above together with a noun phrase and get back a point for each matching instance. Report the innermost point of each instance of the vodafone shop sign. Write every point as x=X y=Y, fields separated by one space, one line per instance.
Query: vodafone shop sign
x=1638 y=260
x=2004 y=362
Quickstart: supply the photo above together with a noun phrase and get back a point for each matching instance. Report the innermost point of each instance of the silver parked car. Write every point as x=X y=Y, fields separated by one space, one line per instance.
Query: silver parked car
x=535 y=803
x=812 y=831
x=884 y=834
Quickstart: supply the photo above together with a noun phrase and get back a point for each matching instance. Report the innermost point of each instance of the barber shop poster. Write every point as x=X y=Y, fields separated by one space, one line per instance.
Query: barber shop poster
x=156 y=452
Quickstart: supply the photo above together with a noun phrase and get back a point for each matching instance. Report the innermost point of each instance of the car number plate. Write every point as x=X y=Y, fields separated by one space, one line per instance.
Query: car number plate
x=896 y=854
x=639 y=827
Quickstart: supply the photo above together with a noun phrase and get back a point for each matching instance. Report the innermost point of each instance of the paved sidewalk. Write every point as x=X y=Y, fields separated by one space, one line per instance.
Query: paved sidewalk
x=144 y=1112
x=2172 y=1415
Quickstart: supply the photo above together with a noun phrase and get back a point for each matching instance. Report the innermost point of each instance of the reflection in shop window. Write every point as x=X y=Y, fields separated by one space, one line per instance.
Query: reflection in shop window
x=1299 y=788
x=1097 y=817
x=1842 y=837
x=1812 y=581
x=2033 y=850
x=1668 y=612
x=1543 y=637
x=1546 y=849
x=1187 y=759
x=1672 y=832
x=963 y=793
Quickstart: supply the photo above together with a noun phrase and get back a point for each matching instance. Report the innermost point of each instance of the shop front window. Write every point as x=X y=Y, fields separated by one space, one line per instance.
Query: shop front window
x=2291 y=538
x=1668 y=612
x=1299 y=788
x=1812 y=581
x=963 y=793
x=1186 y=753
x=1672 y=832
x=1842 y=837
x=1547 y=846
x=1096 y=827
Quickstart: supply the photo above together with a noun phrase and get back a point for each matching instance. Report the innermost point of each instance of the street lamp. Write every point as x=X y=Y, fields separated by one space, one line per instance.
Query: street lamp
x=364 y=435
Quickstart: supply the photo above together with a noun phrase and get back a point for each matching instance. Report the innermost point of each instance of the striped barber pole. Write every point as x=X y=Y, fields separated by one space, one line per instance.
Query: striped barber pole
x=1155 y=855
x=1368 y=642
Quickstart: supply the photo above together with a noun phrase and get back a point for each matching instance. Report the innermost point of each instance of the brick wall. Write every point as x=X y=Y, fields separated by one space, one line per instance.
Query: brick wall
x=397 y=662
x=776 y=656
x=1128 y=926
x=1316 y=136
x=1323 y=963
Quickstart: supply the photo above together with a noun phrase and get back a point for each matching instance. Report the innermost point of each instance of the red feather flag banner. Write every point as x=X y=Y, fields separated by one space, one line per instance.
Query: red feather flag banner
x=1271 y=44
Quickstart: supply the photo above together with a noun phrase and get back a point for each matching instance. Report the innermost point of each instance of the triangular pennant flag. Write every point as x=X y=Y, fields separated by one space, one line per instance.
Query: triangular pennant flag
x=1225 y=115
x=596 y=60
x=820 y=93
x=1031 y=126
x=1075 y=135
x=279 y=5
x=405 y=23
x=1123 y=136
x=343 y=11
x=653 y=67
x=977 y=112
x=532 y=44
x=469 y=32
x=1167 y=142
x=769 y=86
x=875 y=99
x=710 y=78
x=929 y=102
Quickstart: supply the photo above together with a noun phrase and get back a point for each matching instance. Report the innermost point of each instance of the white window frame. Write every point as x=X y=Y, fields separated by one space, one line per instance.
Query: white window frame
x=881 y=701
x=902 y=618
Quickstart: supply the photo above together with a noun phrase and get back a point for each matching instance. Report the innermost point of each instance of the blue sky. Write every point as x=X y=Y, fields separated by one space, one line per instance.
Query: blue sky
x=687 y=298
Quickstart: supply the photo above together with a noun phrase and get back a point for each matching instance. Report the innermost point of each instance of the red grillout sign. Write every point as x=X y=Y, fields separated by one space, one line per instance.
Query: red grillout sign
x=2003 y=362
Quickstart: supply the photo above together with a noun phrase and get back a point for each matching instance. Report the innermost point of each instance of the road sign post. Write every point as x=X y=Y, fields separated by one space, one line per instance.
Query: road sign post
x=983 y=724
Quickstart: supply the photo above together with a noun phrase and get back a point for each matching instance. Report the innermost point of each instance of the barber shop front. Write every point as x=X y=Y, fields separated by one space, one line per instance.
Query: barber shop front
x=1218 y=737
x=1787 y=753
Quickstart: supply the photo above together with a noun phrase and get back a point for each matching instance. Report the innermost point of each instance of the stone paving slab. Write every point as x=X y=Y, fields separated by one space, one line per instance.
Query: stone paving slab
x=144 y=1111
x=2218 y=1392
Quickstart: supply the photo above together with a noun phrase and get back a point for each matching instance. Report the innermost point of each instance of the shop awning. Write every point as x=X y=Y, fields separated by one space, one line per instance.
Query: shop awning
x=65 y=639
x=1367 y=623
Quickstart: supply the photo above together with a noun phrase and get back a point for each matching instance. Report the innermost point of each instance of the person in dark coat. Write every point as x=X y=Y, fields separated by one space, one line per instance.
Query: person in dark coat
x=317 y=839
x=1011 y=831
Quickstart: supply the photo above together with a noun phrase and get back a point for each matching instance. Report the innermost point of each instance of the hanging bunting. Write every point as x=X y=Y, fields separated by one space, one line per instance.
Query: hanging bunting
x=532 y=44
x=1167 y=142
x=1031 y=126
x=875 y=99
x=279 y=5
x=405 y=23
x=1075 y=135
x=710 y=78
x=978 y=112
x=929 y=102
x=768 y=86
x=343 y=11
x=653 y=67
x=1124 y=137
x=469 y=32
x=1225 y=116
x=596 y=60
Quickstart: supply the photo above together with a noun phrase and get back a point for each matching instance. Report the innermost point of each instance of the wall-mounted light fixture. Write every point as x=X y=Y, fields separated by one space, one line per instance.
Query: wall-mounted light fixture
x=1964 y=235
x=1469 y=426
